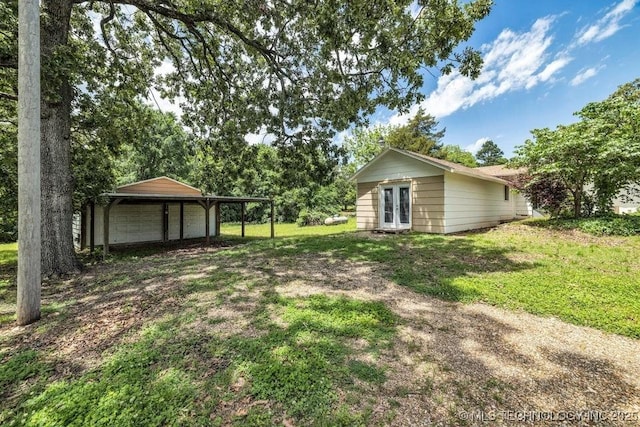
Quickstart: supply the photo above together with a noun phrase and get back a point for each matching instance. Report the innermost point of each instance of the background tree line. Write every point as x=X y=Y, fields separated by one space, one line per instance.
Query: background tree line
x=301 y=71
x=150 y=143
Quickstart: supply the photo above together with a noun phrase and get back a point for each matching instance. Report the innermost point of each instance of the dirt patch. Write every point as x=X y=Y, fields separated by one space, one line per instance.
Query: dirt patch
x=449 y=362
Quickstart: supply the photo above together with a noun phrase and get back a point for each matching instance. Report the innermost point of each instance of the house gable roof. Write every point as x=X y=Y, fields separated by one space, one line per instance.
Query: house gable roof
x=501 y=170
x=161 y=185
x=438 y=163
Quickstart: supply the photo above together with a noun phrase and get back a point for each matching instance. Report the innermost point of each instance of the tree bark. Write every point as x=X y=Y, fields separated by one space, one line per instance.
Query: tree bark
x=577 y=203
x=58 y=253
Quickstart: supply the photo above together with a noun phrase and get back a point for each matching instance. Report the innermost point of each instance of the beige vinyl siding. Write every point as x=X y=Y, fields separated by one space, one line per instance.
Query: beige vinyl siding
x=428 y=204
x=130 y=224
x=137 y=223
x=159 y=186
x=394 y=166
x=367 y=206
x=174 y=220
x=523 y=207
x=472 y=203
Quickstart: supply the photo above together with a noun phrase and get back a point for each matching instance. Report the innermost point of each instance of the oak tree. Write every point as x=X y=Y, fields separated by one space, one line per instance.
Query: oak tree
x=295 y=69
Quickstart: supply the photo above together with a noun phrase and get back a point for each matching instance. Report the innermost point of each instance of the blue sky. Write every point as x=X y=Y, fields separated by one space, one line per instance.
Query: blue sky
x=544 y=60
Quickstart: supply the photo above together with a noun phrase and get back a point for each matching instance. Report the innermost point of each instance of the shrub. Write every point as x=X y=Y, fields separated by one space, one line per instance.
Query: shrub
x=311 y=217
x=606 y=225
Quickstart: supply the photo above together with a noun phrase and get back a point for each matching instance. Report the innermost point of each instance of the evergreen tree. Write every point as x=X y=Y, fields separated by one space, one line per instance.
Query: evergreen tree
x=490 y=154
x=418 y=135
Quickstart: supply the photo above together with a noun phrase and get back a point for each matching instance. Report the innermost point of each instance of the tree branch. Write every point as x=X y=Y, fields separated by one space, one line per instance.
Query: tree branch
x=103 y=22
x=206 y=16
x=10 y=96
x=9 y=62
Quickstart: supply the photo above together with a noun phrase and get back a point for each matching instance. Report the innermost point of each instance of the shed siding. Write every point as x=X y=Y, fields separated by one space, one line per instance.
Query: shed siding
x=428 y=204
x=367 y=206
x=77 y=230
x=174 y=220
x=130 y=224
x=137 y=223
x=396 y=167
x=472 y=203
x=194 y=225
x=159 y=186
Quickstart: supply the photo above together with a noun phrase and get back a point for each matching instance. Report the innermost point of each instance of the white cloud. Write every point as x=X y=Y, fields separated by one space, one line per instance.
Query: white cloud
x=608 y=25
x=551 y=69
x=583 y=75
x=514 y=61
x=473 y=148
x=165 y=105
x=261 y=137
x=339 y=138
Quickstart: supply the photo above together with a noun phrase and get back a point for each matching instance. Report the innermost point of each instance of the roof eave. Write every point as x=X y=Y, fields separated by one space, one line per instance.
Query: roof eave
x=157 y=178
x=484 y=178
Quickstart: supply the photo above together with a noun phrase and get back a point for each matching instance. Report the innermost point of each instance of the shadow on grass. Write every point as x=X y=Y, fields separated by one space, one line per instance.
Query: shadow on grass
x=176 y=375
x=160 y=359
x=427 y=264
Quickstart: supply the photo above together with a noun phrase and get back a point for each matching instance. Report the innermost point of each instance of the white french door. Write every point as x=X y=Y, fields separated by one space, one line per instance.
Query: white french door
x=395 y=206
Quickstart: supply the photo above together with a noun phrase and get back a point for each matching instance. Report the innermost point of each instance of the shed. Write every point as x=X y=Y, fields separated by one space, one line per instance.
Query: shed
x=154 y=210
x=403 y=190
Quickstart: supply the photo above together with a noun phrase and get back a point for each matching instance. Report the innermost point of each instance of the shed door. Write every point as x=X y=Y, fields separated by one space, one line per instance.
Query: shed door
x=395 y=209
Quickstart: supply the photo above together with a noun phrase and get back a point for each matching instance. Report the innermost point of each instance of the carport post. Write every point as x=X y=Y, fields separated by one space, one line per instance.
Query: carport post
x=92 y=232
x=273 y=232
x=105 y=221
x=207 y=206
x=242 y=218
x=217 y=211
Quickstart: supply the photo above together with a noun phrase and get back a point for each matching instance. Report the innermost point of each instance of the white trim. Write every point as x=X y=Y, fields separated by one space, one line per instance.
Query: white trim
x=396 y=224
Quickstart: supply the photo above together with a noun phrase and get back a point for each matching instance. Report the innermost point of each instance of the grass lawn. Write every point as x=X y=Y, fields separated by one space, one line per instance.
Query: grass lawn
x=8 y=253
x=8 y=263
x=324 y=326
x=285 y=230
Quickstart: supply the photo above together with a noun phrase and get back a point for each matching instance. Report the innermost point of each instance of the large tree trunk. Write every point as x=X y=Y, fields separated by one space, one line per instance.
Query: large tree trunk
x=58 y=254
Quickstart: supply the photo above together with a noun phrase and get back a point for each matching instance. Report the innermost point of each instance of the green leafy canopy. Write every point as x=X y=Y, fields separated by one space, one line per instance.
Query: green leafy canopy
x=298 y=70
x=601 y=150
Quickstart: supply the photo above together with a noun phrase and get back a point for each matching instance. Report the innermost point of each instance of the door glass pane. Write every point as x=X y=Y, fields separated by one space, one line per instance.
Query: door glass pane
x=388 y=205
x=404 y=205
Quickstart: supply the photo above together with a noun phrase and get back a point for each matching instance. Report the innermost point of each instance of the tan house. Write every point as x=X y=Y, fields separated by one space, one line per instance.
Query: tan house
x=155 y=210
x=627 y=201
x=400 y=189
